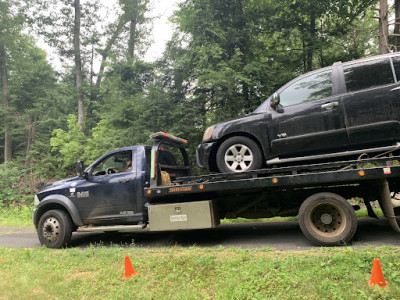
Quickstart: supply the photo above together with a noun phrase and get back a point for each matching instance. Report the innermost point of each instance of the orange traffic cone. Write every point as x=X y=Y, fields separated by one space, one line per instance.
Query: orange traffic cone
x=129 y=271
x=377 y=276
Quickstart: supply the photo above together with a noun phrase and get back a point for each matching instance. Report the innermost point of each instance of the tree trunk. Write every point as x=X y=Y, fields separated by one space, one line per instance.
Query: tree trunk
x=311 y=42
x=383 y=27
x=397 y=25
x=4 y=92
x=132 y=29
x=78 y=63
x=121 y=23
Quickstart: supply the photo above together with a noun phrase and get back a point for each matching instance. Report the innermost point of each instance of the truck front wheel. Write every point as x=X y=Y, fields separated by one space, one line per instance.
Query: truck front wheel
x=327 y=219
x=55 y=229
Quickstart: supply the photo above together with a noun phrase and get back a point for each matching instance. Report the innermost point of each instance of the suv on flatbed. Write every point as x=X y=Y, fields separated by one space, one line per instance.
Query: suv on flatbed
x=346 y=109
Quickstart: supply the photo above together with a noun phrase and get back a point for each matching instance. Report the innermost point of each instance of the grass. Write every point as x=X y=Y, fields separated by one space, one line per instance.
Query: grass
x=16 y=217
x=196 y=273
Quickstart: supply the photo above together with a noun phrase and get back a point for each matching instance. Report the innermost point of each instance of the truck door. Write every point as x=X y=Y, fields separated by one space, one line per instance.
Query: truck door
x=309 y=117
x=108 y=196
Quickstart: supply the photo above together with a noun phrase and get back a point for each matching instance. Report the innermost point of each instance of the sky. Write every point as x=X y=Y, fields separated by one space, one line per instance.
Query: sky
x=161 y=33
x=162 y=28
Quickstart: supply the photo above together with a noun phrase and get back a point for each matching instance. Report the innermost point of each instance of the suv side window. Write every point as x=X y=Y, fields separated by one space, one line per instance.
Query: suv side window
x=311 y=88
x=367 y=75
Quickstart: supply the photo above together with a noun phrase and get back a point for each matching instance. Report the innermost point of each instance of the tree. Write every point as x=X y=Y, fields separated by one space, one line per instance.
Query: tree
x=10 y=27
x=383 y=27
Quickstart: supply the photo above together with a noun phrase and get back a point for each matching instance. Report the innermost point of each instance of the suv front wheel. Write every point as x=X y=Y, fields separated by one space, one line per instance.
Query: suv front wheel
x=238 y=154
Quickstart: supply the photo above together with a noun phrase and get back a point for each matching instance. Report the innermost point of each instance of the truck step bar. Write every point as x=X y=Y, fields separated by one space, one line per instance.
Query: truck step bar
x=278 y=160
x=111 y=228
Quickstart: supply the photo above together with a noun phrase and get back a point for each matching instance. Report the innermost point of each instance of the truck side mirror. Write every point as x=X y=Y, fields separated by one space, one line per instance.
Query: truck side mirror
x=80 y=170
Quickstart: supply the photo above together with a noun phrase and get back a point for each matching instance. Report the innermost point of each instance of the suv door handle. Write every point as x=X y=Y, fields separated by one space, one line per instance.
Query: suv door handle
x=329 y=105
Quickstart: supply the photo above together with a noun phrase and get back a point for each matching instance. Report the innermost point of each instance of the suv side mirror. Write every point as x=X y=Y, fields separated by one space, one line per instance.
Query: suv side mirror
x=275 y=103
x=80 y=170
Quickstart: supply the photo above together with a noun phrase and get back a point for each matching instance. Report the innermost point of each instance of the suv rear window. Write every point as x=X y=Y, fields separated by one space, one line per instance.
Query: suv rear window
x=369 y=74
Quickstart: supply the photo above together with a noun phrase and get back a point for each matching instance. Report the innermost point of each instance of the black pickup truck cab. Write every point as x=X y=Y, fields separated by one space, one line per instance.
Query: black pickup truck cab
x=108 y=192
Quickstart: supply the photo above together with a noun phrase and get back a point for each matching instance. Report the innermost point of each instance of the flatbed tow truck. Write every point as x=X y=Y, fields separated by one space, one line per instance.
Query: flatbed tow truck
x=166 y=196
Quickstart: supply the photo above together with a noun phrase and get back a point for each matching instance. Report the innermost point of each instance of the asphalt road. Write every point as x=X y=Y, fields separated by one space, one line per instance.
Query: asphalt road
x=279 y=235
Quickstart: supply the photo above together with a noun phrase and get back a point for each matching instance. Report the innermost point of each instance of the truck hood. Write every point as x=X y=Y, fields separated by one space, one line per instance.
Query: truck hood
x=60 y=184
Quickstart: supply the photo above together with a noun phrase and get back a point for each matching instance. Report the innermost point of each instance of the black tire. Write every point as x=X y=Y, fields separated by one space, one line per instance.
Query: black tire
x=238 y=154
x=55 y=229
x=327 y=219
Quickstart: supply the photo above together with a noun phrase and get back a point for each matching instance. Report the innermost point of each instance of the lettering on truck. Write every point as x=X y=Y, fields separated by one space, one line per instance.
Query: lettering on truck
x=180 y=189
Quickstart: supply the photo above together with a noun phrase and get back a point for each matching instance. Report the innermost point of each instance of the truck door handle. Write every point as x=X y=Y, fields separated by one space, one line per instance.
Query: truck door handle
x=329 y=105
x=124 y=180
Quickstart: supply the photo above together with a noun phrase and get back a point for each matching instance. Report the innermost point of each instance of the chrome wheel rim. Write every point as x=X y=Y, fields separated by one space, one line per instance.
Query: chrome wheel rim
x=328 y=220
x=238 y=158
x=51 y=229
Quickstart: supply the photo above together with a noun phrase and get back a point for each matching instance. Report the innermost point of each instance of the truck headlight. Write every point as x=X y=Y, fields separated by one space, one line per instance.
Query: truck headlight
x=36 y=201
x=208 y=133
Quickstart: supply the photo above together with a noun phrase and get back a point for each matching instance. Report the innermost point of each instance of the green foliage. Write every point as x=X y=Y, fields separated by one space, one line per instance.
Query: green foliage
x=13 y=189
x=72 y=145
x=17 y=216
x=69 y=144
x=197 y=273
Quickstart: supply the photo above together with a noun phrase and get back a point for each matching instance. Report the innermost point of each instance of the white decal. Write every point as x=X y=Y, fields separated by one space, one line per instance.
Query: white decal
x=83 y=194
x=178 y=218
x=387 y=171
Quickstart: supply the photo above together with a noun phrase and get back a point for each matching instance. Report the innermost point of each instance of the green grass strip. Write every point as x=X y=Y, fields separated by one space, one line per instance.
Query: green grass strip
x=196 y=273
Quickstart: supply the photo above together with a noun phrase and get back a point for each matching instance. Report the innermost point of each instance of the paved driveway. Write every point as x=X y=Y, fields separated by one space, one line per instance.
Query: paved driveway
x=279 y=235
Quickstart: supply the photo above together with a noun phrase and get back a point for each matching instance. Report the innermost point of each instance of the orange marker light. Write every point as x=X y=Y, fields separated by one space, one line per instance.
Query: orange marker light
x=201 y=187
x=361 y=173
x=275 y=180
x=148 y=192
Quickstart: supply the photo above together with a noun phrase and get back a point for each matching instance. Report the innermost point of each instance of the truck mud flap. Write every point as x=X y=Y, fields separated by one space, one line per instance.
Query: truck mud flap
x=385 y=201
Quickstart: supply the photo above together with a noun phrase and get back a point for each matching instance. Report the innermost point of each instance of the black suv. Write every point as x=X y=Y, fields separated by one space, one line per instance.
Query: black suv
x=346 y=109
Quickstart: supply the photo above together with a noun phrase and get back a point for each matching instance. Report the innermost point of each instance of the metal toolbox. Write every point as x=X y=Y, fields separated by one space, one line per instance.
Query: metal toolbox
x=189 y=215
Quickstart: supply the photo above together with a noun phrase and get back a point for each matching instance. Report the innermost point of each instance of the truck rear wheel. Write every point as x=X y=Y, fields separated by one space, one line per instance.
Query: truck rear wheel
x=55 y=229
x=327 y=219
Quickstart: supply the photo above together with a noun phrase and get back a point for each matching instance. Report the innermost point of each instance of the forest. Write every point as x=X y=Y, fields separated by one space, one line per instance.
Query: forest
x=224 y=59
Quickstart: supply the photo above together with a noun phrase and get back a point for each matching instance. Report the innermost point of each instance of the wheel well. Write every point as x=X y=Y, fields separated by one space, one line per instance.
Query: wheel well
x=213 y=155
x=48 y=207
